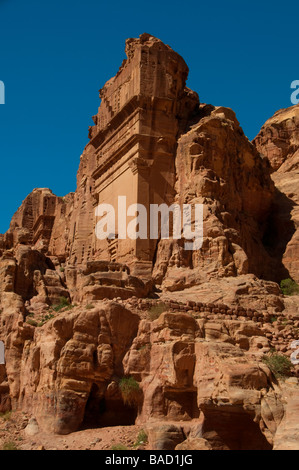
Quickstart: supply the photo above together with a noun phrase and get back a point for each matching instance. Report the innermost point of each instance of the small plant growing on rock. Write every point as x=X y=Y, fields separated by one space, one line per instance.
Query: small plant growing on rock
x=142 y=439
x=280 y=365
x=156 y=310
x=45 y=319
x=63 y=302
x=6 y=416
x=31 y=322
x=89 y=306
x=130 y=391
x=10 y=445
x=119 y=447
x=289 y=287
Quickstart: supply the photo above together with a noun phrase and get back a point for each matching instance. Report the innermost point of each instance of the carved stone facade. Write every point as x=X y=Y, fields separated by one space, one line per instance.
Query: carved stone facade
x=132 y=149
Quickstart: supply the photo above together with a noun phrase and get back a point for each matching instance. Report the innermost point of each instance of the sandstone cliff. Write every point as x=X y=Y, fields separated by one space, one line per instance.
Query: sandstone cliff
x=279 y=141
x=191 y=329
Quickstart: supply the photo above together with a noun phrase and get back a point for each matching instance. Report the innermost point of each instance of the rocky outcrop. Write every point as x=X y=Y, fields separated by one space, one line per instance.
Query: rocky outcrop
x=286 y=437
x=217 y=166
x=279 y=141
x=153 y=143
x=131 y=150
x=83 y=317
x=199 y=378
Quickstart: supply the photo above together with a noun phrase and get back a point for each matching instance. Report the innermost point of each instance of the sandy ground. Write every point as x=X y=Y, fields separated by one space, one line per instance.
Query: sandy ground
x=13 y=437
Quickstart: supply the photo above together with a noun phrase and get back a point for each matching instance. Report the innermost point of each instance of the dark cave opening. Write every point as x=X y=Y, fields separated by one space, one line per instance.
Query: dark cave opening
x=233 y=431
x=101 y=411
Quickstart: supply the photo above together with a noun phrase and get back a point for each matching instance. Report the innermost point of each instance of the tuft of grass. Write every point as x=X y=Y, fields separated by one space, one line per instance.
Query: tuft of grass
x=289 y=287
x=280 y=365
x=119 y=447
x=63 y=302
x=6 y=416
x=10 y=445
x=89 y=306
x=142 y=438
x=45 y=318
x=61 y=269
x=31 y=322
x=156 y=310
x=130 y=391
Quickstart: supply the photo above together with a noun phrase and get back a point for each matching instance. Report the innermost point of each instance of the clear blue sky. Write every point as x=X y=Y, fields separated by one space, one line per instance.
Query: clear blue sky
x=56 y=55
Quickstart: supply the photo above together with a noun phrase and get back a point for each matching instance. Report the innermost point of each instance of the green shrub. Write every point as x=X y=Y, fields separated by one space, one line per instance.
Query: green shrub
x=119 y=447
x=142 y=438
x=289 y=287
x=130 y=391
x=280 y=365
x=45 y=318
x=63 y=302
x=156 y=310
x=31 y=322
x=6 y=416
x=10 y=445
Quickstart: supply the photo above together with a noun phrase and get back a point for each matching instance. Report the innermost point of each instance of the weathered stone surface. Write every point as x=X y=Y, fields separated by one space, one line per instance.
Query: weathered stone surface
x=200 y=373
x=279 y=141
x=132 y=149
x=139 y=149
x=164 y=436
x=193 y=345
x=287 y=435
x=246 y=291
x=217 y=166
x=32 y=428
x=195 y=443
x=73 y=357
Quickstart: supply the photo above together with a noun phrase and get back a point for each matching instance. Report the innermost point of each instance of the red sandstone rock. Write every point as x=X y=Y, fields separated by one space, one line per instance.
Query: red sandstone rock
x=196 y=352
x=279 y=141
x=216 y=165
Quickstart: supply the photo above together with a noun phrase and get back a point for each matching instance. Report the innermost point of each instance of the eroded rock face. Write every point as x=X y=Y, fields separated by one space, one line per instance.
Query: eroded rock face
x=132 y=150
x=74 y=357
x=286 y=437
x=153 y=143
x=198 y=358
x=279 y=141
x=199 y=379
x=217 y=166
